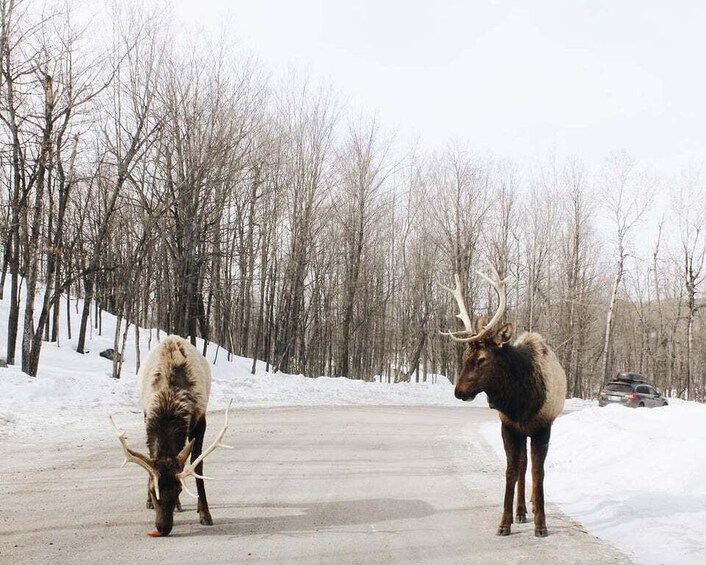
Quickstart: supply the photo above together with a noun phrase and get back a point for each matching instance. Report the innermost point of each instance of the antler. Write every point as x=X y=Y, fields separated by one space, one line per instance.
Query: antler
x=190 y=469
x=136 y=457
x=499 y=285
x=463 y=312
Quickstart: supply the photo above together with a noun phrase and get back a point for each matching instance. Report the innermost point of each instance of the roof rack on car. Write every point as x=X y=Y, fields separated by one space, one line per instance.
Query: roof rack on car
x=630 y=377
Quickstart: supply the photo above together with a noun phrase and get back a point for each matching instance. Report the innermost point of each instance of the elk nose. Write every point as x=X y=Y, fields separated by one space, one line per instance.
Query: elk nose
x=458 y=394
x=164 y=530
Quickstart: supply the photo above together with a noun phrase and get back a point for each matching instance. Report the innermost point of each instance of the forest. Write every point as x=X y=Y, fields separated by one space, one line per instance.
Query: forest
x=177 y=185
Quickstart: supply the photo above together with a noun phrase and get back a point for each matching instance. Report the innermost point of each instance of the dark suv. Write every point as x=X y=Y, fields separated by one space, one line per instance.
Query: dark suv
x=632 y=390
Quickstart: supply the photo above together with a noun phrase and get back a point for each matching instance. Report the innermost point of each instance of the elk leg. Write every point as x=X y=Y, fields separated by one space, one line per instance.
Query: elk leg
x=511 y=441
x=540 y=446
x=197 y=433
x=149 y=505
x=521 y=513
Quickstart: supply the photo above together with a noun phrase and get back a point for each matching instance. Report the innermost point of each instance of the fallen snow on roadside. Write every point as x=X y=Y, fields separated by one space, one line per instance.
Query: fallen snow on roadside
x=78 y=389
x=73 y=388
x=634 y=477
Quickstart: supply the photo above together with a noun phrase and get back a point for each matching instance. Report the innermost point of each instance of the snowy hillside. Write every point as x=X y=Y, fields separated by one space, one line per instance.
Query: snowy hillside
x=73 y=388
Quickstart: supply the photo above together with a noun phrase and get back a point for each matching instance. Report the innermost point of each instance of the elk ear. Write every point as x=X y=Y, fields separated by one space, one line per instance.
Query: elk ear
x=480 y=322
x=503 y=335
x=184 y=454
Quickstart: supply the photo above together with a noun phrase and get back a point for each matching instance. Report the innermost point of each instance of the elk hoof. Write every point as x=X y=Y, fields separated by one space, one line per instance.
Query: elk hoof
x=149 y=505
x=522 y=518
x=206 y=520
x=503 y=530
x=178 y=506
x=541 y=532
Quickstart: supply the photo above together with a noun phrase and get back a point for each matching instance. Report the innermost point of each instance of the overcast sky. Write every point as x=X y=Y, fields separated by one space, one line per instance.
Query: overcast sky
x=521 y=79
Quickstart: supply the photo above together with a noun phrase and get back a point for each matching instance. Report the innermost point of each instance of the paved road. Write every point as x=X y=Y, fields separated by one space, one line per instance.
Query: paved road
x=329 y=485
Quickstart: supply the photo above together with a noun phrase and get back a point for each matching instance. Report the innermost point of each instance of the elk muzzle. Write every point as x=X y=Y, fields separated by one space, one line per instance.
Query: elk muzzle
x=164 y=518
x=463 y=394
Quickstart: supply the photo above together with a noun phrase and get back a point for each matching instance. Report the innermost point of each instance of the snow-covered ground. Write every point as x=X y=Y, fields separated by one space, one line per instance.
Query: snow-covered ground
x=73 y=389
x=77 y=389
x=636 y=478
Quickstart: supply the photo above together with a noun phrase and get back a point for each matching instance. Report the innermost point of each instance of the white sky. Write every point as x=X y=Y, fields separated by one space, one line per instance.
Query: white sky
x=521 y=79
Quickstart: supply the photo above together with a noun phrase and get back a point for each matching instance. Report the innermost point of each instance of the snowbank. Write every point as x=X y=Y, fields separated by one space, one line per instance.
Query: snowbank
x=634 y=477
x=73 y=388
x=78 y=389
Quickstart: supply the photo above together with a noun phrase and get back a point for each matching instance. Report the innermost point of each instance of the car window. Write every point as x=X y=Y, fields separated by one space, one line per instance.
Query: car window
x=618 y=387
x=651 y=390
x=643 y=389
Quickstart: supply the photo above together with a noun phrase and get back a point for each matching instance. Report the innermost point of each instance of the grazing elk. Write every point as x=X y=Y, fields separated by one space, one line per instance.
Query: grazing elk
x=524 y=381
x=174 y=385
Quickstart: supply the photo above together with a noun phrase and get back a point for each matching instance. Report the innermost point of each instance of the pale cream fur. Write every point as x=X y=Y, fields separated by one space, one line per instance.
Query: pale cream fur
x=153 y=375
x=553 y=373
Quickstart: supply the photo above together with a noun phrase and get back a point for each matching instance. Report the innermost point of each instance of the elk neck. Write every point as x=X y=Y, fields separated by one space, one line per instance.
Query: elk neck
x=517 y=389
x=168 y=424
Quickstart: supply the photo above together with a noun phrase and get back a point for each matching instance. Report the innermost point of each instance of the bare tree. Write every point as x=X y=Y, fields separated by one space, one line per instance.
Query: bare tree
x=128 y=130
x=459 y=198
x=363 y=168
x=18 y=68
x=627 y=195
x=690 y=205
x=308 y=120
x=577 y=275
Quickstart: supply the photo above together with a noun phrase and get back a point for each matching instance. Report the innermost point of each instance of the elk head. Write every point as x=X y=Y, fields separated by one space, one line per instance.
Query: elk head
x=167 y=475
x=482 y=359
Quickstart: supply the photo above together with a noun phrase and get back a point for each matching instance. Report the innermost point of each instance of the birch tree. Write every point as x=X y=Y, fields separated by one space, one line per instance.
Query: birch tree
x=627 y=195
x=690 y=205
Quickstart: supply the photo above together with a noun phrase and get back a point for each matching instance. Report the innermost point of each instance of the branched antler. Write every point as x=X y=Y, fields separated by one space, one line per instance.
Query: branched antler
x=137 y=457
x=499 y=285
x=190 y=469
x=462 y=311
x=469 y=334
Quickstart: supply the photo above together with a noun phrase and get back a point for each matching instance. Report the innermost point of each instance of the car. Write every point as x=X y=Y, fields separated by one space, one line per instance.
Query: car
x=632 y=390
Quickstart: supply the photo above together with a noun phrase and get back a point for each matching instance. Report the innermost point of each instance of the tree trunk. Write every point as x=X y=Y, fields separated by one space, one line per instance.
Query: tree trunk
x=609 y=318
x=88 y=289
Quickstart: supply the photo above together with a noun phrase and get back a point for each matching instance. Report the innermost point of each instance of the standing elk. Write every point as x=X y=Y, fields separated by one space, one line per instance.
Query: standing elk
x=174 y=385
x=524 y=381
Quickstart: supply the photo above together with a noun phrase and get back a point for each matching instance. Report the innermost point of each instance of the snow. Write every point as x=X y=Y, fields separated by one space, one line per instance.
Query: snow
x=78 y=389
x=632 y=477
x=68 y=389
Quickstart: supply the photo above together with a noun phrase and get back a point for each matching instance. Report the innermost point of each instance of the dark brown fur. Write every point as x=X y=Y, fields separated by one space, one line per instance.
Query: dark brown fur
x=511 y=376
x=168 y=426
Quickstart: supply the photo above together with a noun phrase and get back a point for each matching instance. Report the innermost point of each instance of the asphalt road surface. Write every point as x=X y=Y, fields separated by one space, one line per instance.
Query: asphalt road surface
x=329 y=485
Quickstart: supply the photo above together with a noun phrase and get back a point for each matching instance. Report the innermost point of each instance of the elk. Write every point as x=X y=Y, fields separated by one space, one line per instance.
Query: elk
x=525 y=383
x=174 y=384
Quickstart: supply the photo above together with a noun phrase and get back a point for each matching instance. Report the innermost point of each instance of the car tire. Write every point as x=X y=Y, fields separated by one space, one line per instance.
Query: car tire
x=641 y=405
